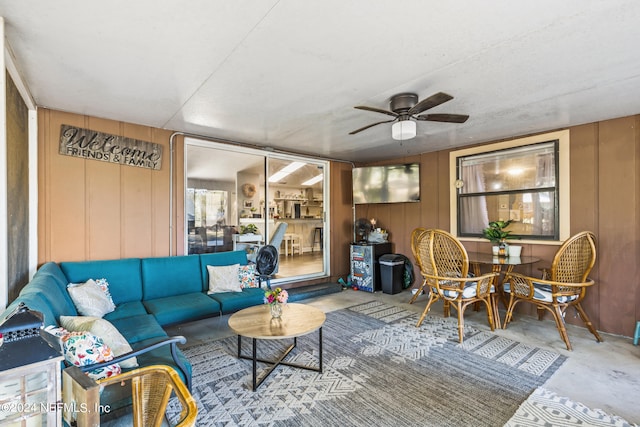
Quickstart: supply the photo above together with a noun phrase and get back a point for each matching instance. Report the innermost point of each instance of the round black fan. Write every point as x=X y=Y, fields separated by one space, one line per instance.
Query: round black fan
x=362 y=228
x=266 y=263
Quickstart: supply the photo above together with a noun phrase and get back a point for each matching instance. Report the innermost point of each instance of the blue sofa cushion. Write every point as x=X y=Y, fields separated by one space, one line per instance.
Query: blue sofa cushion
x=127 y=309
x=169 y=276
x=182 y=308
x=36 y=302
x=218 y=259
x=53 y=271
x=139 y=328
x=58 y=300
x=123 y=275
x=234 y=301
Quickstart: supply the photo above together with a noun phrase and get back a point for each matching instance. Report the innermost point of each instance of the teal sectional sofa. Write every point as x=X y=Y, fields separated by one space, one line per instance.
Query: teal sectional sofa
x=149 y=294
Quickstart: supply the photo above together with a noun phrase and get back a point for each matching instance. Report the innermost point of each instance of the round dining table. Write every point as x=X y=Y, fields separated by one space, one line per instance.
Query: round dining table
x=497 y=263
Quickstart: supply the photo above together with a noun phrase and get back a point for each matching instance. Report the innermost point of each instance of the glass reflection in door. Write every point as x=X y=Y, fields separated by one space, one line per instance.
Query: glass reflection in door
x=231 y=204
x=296 y=197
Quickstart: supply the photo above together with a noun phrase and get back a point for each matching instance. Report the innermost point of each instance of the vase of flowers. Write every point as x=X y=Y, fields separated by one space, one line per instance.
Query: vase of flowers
x=276 y=298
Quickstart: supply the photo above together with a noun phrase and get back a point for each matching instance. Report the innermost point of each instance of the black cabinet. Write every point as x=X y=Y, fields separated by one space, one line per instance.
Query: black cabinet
x=365 y=269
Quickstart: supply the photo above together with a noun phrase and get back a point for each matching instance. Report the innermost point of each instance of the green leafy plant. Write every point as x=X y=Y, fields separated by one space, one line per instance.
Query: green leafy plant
x=248 y=229
x=496 y=233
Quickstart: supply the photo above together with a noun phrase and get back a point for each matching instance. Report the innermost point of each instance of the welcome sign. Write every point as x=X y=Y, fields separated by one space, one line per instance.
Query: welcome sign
x=89 y=144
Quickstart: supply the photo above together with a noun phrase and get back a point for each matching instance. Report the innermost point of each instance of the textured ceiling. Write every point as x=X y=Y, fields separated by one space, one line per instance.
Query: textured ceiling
x=287 y=74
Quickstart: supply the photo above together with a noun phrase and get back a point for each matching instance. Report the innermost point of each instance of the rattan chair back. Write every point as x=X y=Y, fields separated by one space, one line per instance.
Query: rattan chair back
x=575 y=259
x=448 y=256
x=416 y=237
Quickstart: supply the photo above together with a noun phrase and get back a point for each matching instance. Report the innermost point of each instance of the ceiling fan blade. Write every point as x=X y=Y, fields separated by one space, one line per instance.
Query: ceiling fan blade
x=371 y=125
x=450 y=118
x=376 y=110
x=430 y=102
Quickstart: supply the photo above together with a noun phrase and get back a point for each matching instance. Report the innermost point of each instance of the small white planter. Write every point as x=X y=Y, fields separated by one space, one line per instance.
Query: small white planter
x=515 y=251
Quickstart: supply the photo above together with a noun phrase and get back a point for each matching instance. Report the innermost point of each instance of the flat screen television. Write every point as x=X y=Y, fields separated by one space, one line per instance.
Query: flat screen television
x=386 y=184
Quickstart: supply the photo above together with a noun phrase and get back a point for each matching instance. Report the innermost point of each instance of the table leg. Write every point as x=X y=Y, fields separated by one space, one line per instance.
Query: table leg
x=255 y=357
x=497 y=286
x=275 y=363
x=320 y=348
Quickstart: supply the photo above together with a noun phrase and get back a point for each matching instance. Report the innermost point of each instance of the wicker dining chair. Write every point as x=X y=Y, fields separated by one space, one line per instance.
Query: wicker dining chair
x=565 y=286
x=151 y=388
x=416 y=236
x=446 y=271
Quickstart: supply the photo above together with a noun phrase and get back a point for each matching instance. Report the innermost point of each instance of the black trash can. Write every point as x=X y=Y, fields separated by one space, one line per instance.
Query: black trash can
x=391 y=273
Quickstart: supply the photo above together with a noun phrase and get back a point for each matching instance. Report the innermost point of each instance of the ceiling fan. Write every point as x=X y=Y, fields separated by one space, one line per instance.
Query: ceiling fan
x=405 y=107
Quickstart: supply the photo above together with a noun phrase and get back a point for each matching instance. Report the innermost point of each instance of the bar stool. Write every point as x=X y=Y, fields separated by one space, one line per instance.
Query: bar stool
x=317 y=237
x=291 y=243
x=296 y=243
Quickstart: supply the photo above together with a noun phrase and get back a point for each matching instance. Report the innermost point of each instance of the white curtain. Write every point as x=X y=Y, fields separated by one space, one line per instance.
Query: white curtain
x=473 y=211
x=543 y=220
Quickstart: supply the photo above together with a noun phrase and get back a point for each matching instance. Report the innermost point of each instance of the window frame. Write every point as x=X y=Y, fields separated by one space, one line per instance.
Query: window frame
x=563 y=185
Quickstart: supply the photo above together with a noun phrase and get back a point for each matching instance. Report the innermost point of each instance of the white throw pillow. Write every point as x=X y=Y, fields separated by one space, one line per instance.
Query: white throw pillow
x=223 y=278
x=103 y=329
x=90 y=298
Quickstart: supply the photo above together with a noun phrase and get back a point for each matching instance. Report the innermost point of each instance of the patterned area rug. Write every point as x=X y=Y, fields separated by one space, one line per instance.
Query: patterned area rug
x=379 y=369
x=545 y=408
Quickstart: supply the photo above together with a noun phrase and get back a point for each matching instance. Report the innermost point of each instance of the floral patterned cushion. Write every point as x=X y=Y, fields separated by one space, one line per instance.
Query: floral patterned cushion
x=247 y=276
x=84 y=348
x=92 y=298
x=105 y=330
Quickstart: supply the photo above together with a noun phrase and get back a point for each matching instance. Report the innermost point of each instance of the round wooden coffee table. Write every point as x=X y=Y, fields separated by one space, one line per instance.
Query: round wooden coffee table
x=256 y=323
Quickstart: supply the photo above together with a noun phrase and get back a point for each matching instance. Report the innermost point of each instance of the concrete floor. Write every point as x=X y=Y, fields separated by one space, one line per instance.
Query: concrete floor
x=602 y=376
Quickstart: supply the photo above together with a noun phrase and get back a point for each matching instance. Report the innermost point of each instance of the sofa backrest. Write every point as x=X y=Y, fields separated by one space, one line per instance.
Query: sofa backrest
x=168 y=276
x=123 y=275
x=52 y=272
x=46 y=293
x=218 y=259
x=35 y=302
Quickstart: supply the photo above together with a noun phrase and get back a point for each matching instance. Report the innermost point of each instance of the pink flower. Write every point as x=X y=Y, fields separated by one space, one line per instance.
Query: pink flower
x=278 y=295
x=283 y=297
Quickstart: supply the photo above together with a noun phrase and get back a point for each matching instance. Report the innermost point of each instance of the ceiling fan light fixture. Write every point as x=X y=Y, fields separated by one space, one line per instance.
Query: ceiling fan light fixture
x=403 y=130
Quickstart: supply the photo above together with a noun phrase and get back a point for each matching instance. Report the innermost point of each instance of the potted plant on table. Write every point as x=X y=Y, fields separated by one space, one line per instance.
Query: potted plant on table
x=249 y=229
x=497 y=235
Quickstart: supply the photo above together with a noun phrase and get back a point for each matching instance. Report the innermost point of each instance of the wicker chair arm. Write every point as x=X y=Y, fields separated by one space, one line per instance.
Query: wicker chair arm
x=152 y=386
x=531 y=280
x=457 y=284
x=462 y=279
x=172 y=342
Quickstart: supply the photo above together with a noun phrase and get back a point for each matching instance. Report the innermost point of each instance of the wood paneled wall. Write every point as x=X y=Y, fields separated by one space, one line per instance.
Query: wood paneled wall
x=605 y=198
x=88 y=209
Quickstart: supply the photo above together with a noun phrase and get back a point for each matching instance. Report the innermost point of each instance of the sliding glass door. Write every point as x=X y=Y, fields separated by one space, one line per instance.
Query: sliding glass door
x=242 y=199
